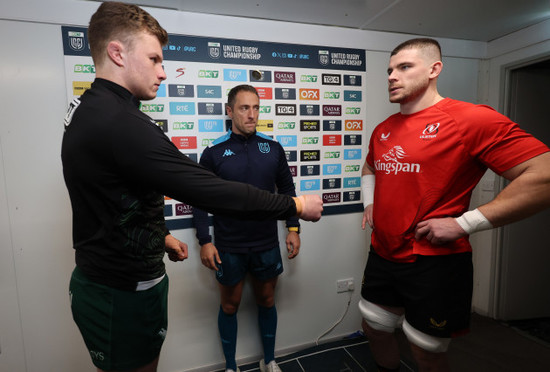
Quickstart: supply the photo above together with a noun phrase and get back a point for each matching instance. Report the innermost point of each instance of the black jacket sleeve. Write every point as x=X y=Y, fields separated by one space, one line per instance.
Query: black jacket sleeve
x=146 y=156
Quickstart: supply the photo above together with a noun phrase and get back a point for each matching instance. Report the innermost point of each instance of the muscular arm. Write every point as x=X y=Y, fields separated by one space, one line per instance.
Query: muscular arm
x=527 y=194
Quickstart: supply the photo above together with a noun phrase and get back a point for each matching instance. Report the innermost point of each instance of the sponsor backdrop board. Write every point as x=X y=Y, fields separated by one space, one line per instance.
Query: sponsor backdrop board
x=311 y=98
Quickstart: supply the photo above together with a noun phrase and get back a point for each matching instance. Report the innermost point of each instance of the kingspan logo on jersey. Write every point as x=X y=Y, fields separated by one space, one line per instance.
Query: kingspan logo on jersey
x=392 y=162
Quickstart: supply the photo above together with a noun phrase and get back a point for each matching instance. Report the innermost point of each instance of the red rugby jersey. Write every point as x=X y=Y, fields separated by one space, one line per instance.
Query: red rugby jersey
x=427 y=164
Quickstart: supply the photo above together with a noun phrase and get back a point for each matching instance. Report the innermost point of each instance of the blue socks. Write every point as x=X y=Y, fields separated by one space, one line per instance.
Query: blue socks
x=227 y=325
x=267 y=319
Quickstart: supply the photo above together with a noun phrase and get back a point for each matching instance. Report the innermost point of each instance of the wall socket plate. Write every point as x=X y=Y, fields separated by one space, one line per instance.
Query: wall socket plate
x=345 y=285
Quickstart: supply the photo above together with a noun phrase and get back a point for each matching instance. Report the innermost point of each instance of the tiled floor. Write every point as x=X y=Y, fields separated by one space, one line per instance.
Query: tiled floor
x=491 y=347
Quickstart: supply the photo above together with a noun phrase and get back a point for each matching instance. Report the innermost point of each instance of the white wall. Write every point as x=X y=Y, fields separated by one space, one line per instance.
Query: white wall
x=36 y=258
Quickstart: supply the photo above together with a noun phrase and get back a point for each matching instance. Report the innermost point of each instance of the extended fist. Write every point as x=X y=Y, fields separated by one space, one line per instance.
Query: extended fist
x=309 y=207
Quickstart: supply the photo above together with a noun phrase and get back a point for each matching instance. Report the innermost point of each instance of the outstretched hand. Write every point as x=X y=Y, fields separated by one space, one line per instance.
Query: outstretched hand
x=310 y=208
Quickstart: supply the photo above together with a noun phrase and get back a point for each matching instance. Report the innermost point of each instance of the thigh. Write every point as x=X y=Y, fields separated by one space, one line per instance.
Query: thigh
x=439 y=294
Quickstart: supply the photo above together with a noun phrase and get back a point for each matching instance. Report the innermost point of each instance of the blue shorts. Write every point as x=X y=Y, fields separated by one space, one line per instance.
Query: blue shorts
x=262 y=265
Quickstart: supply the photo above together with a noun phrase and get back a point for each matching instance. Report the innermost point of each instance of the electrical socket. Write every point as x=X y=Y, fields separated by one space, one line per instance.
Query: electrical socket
x=345 y=285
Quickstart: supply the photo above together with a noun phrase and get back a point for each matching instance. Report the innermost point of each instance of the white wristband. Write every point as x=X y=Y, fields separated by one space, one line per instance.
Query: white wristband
x=473 y=221
x=367 y=186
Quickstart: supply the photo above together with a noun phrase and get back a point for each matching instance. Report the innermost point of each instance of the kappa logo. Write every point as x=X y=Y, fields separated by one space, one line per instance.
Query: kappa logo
x=228 y=152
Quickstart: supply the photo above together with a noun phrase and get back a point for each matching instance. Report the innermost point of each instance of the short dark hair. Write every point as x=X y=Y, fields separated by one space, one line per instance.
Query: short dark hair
x=419 y=43
x=239 y=88
x=115 y=20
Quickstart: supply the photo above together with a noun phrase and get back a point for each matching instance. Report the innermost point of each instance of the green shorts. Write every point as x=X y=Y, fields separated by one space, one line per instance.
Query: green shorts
x=121 y=329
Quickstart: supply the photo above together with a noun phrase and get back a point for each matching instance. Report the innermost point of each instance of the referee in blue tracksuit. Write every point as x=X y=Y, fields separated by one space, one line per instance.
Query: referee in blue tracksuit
x=247 y=246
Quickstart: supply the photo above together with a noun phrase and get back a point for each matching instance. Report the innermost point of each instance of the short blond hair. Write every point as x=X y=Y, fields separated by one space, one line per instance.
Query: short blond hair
x=120 y=21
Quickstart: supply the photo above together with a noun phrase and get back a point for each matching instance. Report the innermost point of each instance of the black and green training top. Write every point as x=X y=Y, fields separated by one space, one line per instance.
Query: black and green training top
x=118 y=165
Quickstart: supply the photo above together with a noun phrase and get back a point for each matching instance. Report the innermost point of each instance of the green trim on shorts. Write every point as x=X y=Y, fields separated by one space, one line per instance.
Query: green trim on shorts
x=121 y=329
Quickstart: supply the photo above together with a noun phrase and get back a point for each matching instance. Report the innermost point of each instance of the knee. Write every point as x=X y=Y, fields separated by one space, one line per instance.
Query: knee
x=377 y=319
x=265 y=300
x=428 y=346
x=230 y=308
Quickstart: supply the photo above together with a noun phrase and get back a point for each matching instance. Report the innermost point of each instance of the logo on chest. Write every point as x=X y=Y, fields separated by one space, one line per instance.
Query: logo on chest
x=430 y=132
x=264 y=147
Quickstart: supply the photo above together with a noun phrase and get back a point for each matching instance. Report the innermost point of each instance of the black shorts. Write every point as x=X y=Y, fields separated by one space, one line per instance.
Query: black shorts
x=435 y=291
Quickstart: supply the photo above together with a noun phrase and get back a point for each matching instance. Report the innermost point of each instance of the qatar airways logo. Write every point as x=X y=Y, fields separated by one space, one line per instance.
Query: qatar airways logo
x=393 y=162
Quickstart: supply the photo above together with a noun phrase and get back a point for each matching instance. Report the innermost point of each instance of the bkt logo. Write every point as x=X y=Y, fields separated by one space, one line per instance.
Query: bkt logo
x=183 y=125
x=332 y=155
x=308 y=185
x=288 y=141
x=211 y=125
x=353 y=168
x=353 y=95
x=309 y=94
x=330 y=169
x=353 y=110
x=207 y=141
x=85 y=69
x=209 y=91
x=308 y=78
x=285 y=109
x=209 y=74
x=352 y=154
x=354 y=124
x=265 y=109
x=332 y=95
x=234 y=75
x=332 y=79
x=352 y=182
x=286 y=125
x=310 y=140
x=183 y=209
x=152 y=107
x=182 y=108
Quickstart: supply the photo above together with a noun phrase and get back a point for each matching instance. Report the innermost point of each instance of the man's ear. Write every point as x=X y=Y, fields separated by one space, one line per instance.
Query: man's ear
x=229 y=111
x=436 y=69
x=115 y=51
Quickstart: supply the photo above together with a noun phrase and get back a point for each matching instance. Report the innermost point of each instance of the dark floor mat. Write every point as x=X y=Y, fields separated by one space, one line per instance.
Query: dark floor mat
x=539 y=328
